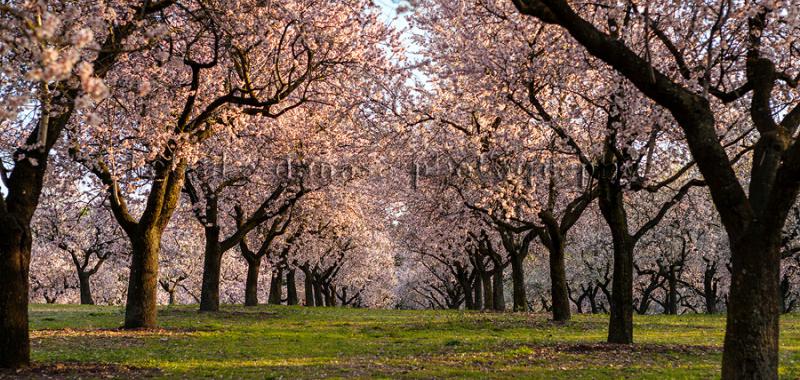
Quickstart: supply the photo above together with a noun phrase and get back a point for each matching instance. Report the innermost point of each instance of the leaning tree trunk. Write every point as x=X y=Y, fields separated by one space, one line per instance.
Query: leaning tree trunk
x=518 y=280
x=15 y=253
x=251 y=284
x=86 y=288
x=558 y=281
x=291 y=288
x=499 y=298
x=751 y=334
x=140 y=309
x=212 y=267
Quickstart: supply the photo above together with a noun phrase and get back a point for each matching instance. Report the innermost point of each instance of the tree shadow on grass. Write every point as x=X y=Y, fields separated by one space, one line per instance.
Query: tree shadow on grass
x=79 y=370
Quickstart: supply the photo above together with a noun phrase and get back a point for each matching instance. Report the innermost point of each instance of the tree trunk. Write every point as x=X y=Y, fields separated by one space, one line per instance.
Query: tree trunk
x=212 y=265
x=291 y=288
x=140 y=308
x=309 y=288
x=478 y=290
x=251 y=286
x=612 y=207
x=710 y=288
x=330 y=296
x=467 y=290
x=15 y=253
x=86 y=288
x=275 y=287
x=318 y=300
x=488 y=294
x=518 y=280
x=751 y=334
x=672 y=293
x=499 y=298
x=558 y=281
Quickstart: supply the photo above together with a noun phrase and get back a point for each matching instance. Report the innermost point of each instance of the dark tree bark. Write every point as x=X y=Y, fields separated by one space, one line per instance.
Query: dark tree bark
x=518 y=282
x=85 y=286
x=318 y=296
x=710 y=287
x=276 y=287
x=291 y=288
x=465 y=280
x=478 y=289
x=23 y=188
x=499 y=297
x=15 y=249
x=553 y=236
x=212 y=269
x=753 y=219
x=140 y=308
x=308 y=285
x=488 y=292
x=554 y=241
x=215 y=247
x=277 y=227
x=251 y=284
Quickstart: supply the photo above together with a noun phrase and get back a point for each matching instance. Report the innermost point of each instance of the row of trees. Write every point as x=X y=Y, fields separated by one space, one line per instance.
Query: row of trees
x=141 y=104
x=614 y=156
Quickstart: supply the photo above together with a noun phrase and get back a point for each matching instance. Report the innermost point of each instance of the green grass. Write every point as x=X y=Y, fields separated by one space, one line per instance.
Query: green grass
x=295 y=342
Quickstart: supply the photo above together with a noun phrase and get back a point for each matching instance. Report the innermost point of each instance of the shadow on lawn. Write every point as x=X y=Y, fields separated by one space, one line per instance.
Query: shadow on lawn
x=78 y=370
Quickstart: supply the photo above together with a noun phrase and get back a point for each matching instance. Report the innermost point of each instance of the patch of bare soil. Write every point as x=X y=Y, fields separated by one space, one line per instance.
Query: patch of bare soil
x=74 y=370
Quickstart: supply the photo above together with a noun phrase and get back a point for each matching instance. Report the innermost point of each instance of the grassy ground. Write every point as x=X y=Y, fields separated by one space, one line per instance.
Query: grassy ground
x=295 y=342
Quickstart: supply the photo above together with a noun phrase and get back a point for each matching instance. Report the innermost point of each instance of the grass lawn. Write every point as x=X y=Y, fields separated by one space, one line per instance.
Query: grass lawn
x=295 y=342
